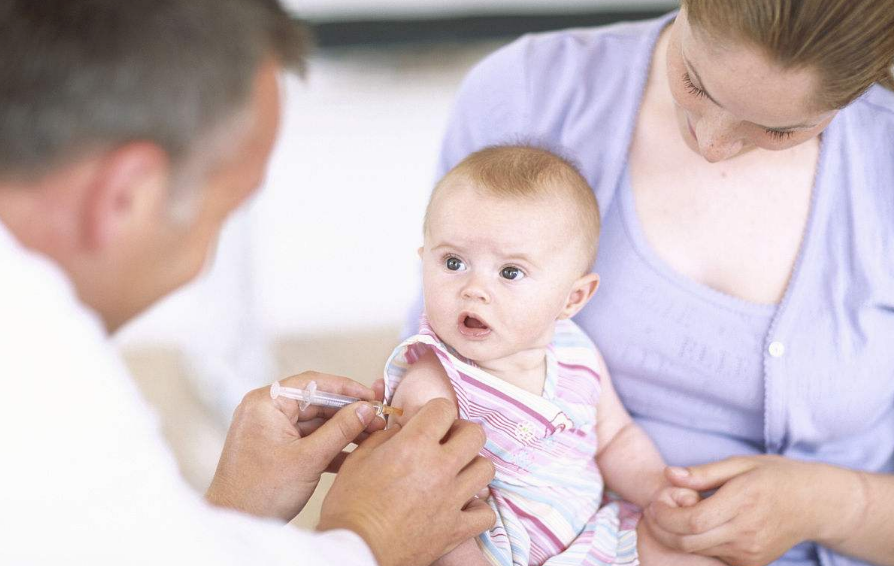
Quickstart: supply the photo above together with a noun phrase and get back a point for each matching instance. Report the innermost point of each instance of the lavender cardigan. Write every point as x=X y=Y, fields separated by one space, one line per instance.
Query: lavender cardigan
x=706 y=374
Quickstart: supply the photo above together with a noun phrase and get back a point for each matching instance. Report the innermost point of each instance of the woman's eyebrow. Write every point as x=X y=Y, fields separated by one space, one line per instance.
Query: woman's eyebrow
x=701 y=83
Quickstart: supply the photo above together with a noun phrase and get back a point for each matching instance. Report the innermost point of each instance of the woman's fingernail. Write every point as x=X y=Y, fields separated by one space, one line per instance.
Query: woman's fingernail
x=679 y=472
x=365 y=413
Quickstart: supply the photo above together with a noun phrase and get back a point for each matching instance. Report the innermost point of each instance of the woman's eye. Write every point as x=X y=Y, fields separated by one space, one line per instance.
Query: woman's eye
x=690 y=86
x=512 y=273
x=778 y=135
x=454 y=264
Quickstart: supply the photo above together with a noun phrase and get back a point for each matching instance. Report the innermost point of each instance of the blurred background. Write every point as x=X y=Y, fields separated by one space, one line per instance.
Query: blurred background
x=318 y=271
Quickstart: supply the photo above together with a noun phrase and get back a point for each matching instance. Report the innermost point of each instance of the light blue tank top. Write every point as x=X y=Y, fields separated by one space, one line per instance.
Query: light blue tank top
x=684 y=347
x=708 y=375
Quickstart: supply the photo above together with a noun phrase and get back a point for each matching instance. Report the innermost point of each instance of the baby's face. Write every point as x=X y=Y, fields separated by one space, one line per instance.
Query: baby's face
x=497 y=272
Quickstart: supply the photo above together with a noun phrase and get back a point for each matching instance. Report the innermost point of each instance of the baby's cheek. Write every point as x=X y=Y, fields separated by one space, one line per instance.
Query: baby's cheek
x=437 y=314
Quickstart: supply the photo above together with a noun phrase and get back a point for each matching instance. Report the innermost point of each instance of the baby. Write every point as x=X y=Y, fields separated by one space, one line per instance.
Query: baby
x=510 y=238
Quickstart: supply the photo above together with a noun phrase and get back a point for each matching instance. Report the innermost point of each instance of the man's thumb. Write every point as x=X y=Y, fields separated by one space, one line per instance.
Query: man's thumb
x=339 y=431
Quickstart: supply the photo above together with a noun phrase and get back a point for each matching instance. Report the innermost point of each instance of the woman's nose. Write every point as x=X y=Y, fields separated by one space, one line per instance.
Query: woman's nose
x=718 y=138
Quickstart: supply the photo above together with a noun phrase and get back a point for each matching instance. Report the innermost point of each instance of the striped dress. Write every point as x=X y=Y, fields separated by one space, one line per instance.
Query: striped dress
x=548 y=492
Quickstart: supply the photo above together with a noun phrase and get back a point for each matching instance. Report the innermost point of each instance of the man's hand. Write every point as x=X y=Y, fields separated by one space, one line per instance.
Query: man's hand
x=410 y=492
x=275 y=453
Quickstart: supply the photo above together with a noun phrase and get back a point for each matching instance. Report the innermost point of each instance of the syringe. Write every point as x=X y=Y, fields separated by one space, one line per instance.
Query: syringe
x=311 y=396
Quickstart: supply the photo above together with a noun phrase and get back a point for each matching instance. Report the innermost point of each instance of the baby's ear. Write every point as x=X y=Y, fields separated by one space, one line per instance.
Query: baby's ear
x=581 y=292
x=420 y=251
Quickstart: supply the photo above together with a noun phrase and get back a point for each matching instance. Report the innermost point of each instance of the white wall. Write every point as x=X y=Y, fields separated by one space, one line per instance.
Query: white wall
x=329 y=244
x=337 y=227
x=334 y=9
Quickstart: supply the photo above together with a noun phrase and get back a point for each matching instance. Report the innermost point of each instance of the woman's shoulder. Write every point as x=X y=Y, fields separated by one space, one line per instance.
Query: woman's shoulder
x=556 y=59
x=867 y=138
x=870 y=118
x=610 y=44
x=555 y=89
x=880 y=100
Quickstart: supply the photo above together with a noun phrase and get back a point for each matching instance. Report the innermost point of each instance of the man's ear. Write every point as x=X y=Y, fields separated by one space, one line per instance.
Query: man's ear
x=129 y=186
x=581 y=292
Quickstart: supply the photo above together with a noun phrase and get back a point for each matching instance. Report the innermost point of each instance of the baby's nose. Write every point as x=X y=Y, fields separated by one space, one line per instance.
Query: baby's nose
x=475 y=293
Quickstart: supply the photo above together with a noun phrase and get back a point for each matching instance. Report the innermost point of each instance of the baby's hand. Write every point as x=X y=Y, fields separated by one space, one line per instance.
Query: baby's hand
x=678 y=496
x=654 y=553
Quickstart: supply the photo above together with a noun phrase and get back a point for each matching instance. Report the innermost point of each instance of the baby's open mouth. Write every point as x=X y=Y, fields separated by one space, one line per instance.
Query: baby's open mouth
x=473 y=326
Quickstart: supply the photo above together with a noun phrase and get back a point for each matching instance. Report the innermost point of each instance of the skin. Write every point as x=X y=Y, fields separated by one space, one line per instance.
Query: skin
x=105 y=221
x=745 y=194
x=104 y=218
x=468 y=226
x=470 y=243
x=731 y=100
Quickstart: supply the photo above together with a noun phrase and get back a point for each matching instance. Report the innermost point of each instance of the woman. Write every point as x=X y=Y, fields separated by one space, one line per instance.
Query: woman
x=743 y=157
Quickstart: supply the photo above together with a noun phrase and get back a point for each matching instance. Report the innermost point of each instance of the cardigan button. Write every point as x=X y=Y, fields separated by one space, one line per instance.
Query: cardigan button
x=776 y=349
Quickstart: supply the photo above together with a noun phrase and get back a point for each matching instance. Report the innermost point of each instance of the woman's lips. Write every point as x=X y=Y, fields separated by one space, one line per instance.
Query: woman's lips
x=472 y=326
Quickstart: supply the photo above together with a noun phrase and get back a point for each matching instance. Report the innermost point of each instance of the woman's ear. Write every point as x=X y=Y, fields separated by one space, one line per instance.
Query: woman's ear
x=581 y=292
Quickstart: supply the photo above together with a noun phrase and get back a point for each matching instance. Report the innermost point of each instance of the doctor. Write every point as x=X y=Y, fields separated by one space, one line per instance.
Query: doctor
x=128 y=132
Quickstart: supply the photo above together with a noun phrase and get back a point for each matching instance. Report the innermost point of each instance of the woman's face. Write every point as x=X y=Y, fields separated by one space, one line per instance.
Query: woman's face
x=731 y=99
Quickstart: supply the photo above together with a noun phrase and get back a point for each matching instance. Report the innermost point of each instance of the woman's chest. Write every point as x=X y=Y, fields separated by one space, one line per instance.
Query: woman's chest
x=811 y=378
x=735 y=226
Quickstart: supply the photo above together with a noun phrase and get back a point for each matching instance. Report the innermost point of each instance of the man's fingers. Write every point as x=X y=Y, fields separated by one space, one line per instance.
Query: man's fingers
x=329 y=384
x=334 y=435
x=709 y=476
x=378 y=438
x=476 y=518
x=305 y=428
x=433 y=420
x=335 y=465
x=378 y=388
x=464 y=441
x=309 y=426
x=325 y=382
x=473 y=478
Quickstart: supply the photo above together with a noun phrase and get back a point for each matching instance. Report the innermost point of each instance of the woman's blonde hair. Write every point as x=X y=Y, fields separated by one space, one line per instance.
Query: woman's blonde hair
x=849 y=42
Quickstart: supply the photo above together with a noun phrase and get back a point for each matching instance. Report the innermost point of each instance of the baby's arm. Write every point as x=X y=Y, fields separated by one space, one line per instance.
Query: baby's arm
x=627 y=457
x=631 y=466
x=426 y=380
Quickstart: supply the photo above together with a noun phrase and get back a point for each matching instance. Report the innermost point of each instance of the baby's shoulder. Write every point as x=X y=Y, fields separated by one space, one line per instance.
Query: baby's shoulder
x=569 y=335
x=574 y=349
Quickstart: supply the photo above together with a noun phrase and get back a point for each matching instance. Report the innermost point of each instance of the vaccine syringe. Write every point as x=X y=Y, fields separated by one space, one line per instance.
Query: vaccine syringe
x=310 y=396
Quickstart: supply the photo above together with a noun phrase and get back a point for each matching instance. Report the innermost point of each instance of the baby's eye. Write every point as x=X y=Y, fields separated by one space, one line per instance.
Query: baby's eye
x=512 y=273
x=454 y=264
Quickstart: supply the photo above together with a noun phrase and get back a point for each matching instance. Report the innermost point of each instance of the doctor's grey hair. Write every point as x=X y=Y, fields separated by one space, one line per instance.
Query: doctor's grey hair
x=77 y=76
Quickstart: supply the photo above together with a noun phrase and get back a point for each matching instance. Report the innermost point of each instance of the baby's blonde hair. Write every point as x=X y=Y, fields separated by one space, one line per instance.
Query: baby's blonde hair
x=525 y=171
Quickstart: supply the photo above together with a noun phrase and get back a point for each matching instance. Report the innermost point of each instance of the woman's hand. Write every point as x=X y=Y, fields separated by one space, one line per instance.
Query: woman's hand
x=764 y=505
